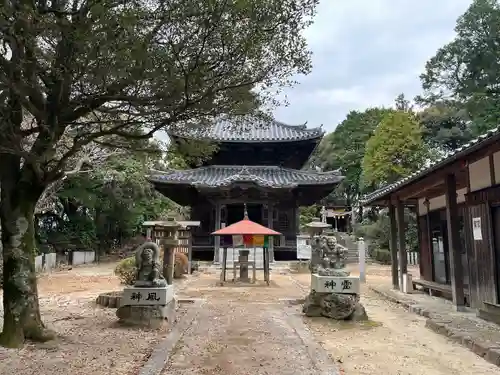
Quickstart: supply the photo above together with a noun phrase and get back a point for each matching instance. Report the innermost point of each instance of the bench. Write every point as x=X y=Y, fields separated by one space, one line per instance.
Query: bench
x=432 y=287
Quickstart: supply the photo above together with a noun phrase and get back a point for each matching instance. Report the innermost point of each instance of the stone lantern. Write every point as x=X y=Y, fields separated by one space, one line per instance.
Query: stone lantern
x=316 y=227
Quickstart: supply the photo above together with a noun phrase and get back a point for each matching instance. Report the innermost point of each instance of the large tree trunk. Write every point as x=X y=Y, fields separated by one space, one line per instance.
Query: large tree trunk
x=19 y=195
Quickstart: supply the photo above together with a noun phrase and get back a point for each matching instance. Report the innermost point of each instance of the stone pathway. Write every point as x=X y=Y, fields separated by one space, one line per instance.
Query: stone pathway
x=230 y=338
x=247 y=330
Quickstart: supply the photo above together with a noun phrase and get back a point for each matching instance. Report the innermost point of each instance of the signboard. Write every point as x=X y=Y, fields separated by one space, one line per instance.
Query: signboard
x=476 y=229
x=303 y=247
x=147 y=296
x=335 y=284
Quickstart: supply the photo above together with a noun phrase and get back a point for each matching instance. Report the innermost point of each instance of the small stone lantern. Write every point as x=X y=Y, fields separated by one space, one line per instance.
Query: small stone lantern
x=316 y=227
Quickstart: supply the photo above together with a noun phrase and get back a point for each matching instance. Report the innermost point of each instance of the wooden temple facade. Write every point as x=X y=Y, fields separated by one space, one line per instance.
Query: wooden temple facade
x=457 y=200
x=258 y=163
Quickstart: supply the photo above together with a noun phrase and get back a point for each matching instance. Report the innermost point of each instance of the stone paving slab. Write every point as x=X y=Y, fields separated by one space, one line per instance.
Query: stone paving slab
x=464 y=328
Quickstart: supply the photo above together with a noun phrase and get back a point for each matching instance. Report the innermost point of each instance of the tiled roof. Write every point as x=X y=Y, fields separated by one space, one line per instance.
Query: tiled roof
x=486 y=138
x=265 y=176
x=249 y=129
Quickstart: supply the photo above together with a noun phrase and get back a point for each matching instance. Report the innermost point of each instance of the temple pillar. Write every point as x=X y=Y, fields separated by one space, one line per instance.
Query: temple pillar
x=217 y=227
x=297 y=220
x=270 y=222
x=454 y=244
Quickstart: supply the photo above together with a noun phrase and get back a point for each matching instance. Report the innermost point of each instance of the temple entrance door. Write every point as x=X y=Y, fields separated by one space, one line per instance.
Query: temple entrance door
x=255 y=213
x=235 y=213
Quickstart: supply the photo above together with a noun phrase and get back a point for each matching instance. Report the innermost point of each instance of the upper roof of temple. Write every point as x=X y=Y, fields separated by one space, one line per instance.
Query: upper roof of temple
x=249 y=129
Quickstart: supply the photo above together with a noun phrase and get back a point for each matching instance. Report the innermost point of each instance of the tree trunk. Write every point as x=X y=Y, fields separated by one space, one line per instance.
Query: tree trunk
x=22 y=320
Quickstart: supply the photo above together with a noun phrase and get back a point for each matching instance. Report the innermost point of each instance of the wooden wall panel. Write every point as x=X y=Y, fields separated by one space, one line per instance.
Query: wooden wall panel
x=481 y=259
x=425 y=249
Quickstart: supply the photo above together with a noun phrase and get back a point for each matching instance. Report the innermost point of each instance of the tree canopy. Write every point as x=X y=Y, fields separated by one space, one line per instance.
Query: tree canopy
x=466 y=69
x=344 y=149
x=96 y=72
x=395 y=150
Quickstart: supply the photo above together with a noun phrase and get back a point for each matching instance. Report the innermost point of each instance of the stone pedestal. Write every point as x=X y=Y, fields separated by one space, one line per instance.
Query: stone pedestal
x=243 y=259
x=335 y=284
x=147 y=306
x=335 y=297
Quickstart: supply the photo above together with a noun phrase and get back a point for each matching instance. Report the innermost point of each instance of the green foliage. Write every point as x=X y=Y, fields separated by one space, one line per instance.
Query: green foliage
x=126 y=271
x=466 y=69
x=377 y=235
x=345 y=149
x=307 y=214
x=445 y=126
x=105 y=208
x=395 y=150
x=382 y=256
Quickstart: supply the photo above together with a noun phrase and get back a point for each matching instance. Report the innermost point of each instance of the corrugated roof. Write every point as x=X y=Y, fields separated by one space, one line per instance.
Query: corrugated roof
x=249 y=129
x=486 y=138
x=266 y=176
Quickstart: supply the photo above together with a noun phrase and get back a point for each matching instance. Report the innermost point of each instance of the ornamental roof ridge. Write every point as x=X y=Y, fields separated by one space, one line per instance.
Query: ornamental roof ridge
x=250 y=129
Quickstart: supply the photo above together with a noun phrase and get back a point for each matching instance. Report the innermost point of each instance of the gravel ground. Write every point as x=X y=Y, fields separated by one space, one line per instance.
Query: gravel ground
x=89 y=340
x=240 y=330
x=394 y=342
x=244 y=330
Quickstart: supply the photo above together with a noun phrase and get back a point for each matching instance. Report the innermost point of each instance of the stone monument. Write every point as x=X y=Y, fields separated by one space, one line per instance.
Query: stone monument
x=334 y=293
x=150 y=302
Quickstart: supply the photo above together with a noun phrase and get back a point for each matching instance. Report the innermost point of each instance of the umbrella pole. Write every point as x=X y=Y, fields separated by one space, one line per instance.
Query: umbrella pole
x=224 y=260
x=268 y=258
x=265 y=262
x=234 y=267
x=254 y=265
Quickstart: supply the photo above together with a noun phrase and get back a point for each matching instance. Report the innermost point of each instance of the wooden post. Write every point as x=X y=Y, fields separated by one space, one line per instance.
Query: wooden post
x=254 y=271
x=454 y=244
x=400 y=215
x=190 y=251
x=393 y=243
x=224 y=263
x=217 y=227
x=270 y=208
x=264 y=260
x=268 y=267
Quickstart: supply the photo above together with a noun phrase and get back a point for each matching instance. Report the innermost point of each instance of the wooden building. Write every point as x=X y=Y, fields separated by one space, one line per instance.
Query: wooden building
x=457 y=200
x=338 y=214
x=258 y=163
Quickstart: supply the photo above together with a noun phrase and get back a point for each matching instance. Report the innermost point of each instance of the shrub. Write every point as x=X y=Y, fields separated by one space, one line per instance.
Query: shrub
x=382 y=256
x=125 y=270
x=180 y=265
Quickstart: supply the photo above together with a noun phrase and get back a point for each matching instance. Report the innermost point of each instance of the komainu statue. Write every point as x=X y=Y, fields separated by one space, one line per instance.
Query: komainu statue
x=328 y=264
x=147 y=262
